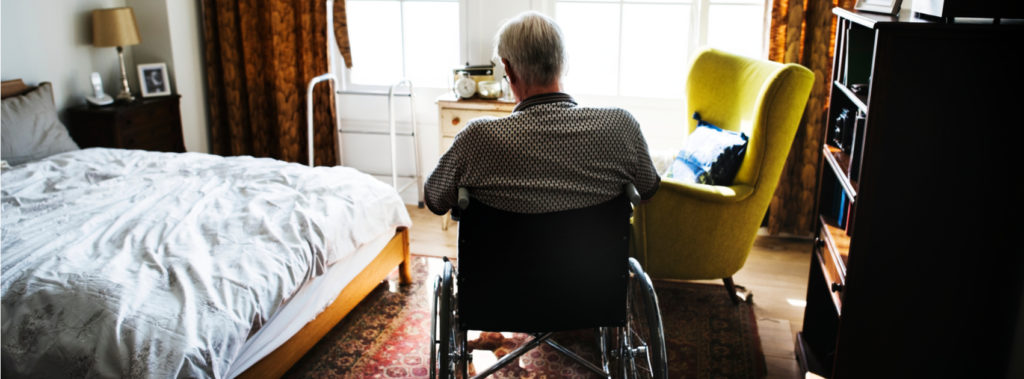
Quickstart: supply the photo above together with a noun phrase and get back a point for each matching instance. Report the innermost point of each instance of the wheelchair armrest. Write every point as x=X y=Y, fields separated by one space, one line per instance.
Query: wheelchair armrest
x=463 y=198
x=632 y=194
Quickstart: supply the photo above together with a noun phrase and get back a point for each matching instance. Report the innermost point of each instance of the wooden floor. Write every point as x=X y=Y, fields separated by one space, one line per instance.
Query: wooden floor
x=776 y=273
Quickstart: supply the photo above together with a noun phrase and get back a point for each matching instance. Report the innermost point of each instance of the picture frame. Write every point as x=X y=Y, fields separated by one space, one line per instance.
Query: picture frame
x=889 y=7
x=153 y=79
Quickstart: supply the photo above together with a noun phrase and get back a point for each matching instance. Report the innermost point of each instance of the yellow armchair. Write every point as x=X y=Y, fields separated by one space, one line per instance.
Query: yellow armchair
x=695 y=231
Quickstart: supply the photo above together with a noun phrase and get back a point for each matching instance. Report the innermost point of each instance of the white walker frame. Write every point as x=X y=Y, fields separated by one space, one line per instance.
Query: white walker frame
x=331 y=75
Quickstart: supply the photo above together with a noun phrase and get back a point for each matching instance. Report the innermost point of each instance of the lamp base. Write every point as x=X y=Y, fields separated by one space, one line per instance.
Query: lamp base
x=125 y=96
x=126 y=92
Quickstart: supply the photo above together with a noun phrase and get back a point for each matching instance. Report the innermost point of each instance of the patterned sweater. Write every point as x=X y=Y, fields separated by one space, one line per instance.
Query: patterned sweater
x=549 y=155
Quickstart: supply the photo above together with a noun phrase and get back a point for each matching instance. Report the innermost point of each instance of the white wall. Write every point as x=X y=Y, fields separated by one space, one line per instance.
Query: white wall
x=171 y=33
x=51 y=41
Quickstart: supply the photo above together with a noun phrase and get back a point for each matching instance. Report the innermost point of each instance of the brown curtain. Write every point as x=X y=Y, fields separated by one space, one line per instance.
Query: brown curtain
x=260 y=56
x=802 y=31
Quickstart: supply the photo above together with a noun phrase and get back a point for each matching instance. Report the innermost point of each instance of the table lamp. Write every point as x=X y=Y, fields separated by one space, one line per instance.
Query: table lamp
x=116 y=27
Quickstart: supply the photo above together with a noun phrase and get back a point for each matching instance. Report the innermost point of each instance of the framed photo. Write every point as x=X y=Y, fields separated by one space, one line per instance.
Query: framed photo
x=153 y=79
x=889 y=7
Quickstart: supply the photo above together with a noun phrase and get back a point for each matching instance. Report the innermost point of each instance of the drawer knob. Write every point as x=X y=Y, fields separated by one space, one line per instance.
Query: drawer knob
x=836 y=287
x=456 y=121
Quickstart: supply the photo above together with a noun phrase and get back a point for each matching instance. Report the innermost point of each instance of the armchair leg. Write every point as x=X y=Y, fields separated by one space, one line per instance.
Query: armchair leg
x=737 y=293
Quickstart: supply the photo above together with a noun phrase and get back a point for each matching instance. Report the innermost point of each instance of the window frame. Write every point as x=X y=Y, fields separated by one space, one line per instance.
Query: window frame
x=345 y=73
x=698 y=31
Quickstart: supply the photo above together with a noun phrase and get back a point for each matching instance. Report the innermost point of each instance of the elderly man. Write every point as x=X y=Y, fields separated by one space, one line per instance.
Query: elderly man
x=550 y=154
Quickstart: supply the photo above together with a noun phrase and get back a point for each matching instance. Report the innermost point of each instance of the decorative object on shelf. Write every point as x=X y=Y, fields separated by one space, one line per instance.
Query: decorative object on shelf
x=476 y=74
x=115 y=27
x=488 y=89
x=465 y=86
x=153 y=79
x=506 y=90
x=889 y=7
x=98 y=97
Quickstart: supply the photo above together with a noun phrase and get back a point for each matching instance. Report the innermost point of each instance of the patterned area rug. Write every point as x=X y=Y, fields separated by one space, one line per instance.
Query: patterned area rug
x=386 y=336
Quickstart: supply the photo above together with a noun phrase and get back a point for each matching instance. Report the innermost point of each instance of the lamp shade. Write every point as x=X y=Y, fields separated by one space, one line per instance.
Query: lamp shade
x=114 y=27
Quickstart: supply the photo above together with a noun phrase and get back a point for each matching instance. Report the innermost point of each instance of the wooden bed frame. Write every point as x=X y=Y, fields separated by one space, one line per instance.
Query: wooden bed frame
x=274 y=365
x=13 y=87
x=395 y=253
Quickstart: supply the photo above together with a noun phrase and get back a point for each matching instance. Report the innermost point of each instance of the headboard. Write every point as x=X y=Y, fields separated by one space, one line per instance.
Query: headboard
x=14 y=87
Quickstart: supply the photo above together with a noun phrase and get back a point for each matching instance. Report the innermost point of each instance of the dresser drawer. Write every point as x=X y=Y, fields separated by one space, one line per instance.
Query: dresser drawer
x=147 y=115
x=453 y=120
x=828 y=246
x=154 y=135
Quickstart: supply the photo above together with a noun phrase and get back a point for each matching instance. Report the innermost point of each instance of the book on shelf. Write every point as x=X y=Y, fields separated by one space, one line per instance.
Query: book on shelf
x=841 y=209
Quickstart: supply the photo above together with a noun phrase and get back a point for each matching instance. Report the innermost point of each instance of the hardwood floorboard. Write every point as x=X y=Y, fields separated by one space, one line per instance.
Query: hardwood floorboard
x=775 y=272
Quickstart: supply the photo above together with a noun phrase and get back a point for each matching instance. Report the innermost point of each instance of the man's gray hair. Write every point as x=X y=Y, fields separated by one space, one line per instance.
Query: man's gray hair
x=532 y=43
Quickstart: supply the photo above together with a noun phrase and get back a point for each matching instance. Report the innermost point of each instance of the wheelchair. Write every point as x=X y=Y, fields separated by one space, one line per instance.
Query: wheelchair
x=548 y=272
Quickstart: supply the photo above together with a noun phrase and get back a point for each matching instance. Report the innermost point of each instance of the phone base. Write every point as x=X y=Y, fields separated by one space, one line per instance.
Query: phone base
x=104 y=100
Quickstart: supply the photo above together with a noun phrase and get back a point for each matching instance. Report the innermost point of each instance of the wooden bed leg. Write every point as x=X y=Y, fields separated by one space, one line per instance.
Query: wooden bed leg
x=405 y=268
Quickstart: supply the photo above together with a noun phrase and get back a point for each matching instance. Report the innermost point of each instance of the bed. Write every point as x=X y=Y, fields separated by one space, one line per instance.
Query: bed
x=129 y=263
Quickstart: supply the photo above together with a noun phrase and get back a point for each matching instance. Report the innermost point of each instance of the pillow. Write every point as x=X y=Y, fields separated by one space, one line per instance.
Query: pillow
x=711 y=155
x=30 y=130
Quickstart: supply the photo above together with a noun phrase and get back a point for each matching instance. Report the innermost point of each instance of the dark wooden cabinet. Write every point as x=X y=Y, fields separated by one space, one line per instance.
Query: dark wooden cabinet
x=144 y=124
x=917 y=267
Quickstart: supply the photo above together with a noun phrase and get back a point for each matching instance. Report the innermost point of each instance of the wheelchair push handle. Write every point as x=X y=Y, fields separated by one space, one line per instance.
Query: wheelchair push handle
x=463 y=198
x=631 y=193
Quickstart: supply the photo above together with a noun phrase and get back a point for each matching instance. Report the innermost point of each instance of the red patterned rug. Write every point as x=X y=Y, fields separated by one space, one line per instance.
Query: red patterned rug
x=387 y=334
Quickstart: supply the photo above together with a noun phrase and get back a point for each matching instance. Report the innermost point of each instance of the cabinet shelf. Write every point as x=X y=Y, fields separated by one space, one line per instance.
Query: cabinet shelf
x=858 y=100
x=839 y=162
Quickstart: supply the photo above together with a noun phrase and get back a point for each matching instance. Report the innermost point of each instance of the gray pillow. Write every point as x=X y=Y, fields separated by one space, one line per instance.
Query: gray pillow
x=30 y=129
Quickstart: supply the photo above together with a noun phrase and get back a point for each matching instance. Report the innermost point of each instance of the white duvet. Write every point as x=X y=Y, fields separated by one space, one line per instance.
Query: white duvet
x=125 y=263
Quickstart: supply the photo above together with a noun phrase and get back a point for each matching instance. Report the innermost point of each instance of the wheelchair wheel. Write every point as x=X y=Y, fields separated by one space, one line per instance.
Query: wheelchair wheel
x=642 y=340
x=447 y=343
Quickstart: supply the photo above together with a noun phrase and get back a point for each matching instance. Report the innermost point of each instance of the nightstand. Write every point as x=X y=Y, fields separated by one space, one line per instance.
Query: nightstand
x=455 y=113
x=144 y=124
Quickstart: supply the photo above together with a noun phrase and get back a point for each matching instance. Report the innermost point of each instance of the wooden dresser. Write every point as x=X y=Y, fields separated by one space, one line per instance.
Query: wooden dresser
x=917 y=269
x=456 y=113
x=145 y=124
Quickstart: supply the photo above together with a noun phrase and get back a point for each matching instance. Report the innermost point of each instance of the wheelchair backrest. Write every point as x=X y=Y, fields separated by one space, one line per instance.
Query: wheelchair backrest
x=543 y=272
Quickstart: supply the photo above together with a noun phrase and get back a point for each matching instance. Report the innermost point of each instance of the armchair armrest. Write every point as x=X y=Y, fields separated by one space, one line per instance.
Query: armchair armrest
x=720 y=194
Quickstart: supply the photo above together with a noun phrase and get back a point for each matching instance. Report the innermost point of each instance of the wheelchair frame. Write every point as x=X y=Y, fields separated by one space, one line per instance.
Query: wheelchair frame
x=634 y=349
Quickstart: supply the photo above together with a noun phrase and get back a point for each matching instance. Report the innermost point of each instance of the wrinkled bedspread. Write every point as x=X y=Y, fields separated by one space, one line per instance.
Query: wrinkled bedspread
x=125 y=263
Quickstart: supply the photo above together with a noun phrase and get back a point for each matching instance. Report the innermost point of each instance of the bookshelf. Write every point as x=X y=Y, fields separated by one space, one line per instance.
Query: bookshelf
x=916 y=268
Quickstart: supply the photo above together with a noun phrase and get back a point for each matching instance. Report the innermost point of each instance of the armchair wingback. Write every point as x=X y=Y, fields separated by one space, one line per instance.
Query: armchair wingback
x=697 y=231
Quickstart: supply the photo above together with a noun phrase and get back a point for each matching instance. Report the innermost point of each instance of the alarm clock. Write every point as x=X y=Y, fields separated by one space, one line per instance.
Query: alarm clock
x=465 y=86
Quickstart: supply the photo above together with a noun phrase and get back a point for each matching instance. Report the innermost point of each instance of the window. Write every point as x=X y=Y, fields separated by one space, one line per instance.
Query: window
x=395 y=39
x=640 y=48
